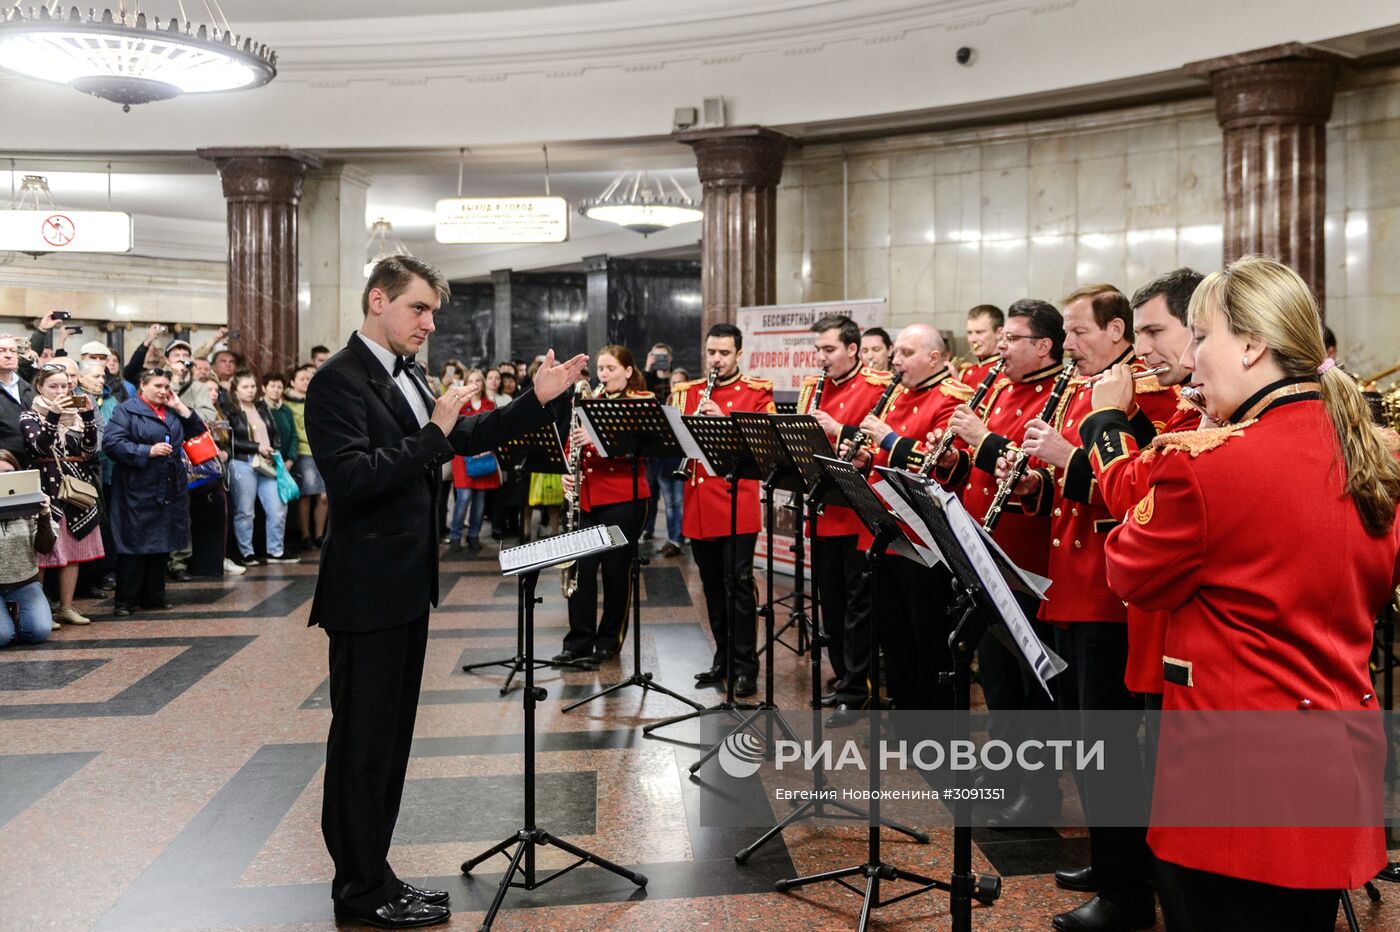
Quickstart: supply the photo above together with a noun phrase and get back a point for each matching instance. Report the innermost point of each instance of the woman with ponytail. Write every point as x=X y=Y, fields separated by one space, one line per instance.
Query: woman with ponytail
x=1271 y=540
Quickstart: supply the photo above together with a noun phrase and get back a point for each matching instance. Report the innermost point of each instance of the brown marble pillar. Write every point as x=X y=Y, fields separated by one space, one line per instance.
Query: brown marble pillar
x=739 y=168
x=1273 y=105
x=263 y=189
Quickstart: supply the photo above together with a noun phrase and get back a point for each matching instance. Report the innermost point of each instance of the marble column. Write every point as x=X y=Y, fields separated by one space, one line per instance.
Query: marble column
x=739 y=169
x=597 y=328
x=331 y=255
x=263 y=187
x=1273 y=105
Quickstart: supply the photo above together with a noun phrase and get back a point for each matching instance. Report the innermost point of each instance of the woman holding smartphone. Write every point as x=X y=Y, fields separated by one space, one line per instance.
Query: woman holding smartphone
x=60 y=436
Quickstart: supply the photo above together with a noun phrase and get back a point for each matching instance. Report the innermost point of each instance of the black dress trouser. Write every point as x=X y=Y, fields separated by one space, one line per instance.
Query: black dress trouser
x=712 y=560
x=1197 y=901
x=844 y=595
x=1011 y=690
x=914 y=626
x=141 y=579
x=587 y=633
x=374 y=684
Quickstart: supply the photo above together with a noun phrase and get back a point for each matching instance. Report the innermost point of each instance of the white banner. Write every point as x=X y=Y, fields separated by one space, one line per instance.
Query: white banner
x=65 y=231
x=778 y=338
x=503 y=220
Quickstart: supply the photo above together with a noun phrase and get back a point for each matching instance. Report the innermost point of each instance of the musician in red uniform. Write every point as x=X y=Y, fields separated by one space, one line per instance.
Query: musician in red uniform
x=1032 y=346
x=984 y=323
x=912 y=632
x=605 y=497
x=1272 y=541
x=1090 y=620
x=707 y=513
x=849 y=391
x=1162 y=337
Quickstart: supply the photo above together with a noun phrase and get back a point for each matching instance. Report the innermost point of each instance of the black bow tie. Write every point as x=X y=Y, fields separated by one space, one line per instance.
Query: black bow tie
x=402 y=363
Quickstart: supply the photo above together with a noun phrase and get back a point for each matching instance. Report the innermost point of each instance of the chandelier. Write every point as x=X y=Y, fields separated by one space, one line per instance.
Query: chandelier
x=126 y=58
x=641 y=203
x=382 y=244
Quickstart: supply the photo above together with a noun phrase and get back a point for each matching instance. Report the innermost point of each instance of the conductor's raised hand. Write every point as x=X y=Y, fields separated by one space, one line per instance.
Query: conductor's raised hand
x=448 y=408
x=553 y=379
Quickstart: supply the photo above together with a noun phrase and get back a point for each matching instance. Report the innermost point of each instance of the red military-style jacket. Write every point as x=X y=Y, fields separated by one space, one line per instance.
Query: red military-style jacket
x=1246 y=536
x=1023 y=533
x=1079 y=520
x=706 y=495
x=848 y=400
x=1122 y=475
x=974 y=372
x=913 y=413
x=608 y=480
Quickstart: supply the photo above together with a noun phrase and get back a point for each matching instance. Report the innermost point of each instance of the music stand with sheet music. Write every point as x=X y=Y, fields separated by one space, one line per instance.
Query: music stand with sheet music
x=803 y=440
x=537 y=451
x=635 y=427
x=716 y=444
x=525 y=562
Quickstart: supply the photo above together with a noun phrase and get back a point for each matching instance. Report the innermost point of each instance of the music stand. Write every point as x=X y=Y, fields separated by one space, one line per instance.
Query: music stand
x=525 y=562
x=803 y=439
x=538 y=451
x=635 y=427
x=722 y=451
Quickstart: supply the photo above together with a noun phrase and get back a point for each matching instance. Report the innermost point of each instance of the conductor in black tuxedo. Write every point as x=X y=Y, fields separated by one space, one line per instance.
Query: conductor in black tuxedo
x=380 y=439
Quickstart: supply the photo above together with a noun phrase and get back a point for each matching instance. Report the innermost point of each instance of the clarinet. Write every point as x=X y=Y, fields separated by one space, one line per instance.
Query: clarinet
x=945 y=443
x=1019 y=459
x=862 y=439
x=572 y=512
x=817 y=392
x=687 y=467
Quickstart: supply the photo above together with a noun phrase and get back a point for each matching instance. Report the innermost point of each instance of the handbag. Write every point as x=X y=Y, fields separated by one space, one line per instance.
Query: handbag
x=262 y=467
x=201 y=449
x=482 y=465
x=287 y=488
x=77 y=492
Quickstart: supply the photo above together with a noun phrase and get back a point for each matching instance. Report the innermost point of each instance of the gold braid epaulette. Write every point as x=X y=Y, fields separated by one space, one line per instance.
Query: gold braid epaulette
x=955 y=388
x=1196 y=442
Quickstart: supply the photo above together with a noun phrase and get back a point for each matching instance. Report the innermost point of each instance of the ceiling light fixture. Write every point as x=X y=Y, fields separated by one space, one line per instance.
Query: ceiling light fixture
x=382 y=244
x=124 y=58
x=641 y=203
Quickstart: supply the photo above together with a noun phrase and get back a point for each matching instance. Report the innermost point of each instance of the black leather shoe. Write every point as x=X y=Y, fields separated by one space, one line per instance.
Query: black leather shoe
x=121 y=611
x=1101 y=915
x=829 y=700
x=431 y=897
x=158 y=606
x=603 y=656
x=843 y=716
x=709 y=677
x=402 y=912
x=744 y=685
x=1025 y=812
x=1077 y=878
x=180 y=575
x=568 y=656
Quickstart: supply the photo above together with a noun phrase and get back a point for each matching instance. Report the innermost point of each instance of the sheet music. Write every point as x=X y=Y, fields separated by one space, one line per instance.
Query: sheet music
x=560 y=548
x=683 y=434
x=926 y=549
x=592 y=432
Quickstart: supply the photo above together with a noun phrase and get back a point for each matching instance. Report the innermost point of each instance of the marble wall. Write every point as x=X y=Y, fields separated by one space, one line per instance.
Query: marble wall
x=939 y=222
x=547 y=310
x=655 y=300
x=466 y=328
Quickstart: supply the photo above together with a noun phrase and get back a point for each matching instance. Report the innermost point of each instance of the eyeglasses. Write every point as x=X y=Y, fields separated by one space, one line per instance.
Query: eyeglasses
x=158 y=373
x=53 y=367
x=1010 y=338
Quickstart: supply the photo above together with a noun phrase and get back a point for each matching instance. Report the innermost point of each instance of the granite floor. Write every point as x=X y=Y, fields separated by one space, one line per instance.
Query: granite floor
x=164 y=772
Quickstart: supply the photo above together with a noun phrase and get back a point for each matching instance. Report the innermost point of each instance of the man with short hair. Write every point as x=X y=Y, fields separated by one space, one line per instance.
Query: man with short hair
x=319 y=355
x=16 y=395
x=380 y=439
x=876 y=349
x=984 y=323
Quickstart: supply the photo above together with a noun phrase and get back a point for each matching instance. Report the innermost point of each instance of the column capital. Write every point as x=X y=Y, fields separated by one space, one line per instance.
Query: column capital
x=261 y=173
x=598 y=263
x=738 y=155
x=1289 y=83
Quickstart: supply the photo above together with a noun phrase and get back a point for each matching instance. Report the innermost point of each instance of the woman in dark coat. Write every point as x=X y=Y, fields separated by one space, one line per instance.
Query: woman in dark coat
x=150 y=511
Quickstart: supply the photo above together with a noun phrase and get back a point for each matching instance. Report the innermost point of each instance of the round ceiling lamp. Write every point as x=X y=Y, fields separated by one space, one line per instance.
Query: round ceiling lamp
x=639 y=202
x=124 y=58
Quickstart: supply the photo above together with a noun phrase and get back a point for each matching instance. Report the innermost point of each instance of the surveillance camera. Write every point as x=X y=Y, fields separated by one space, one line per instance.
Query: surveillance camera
x=965 y=55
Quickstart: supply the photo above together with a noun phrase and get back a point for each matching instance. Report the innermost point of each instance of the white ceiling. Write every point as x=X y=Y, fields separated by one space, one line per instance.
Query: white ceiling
x=267 y=11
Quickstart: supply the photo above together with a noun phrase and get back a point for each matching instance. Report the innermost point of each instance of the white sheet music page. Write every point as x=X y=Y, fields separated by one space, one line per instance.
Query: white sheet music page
x=556 y=549
x=592 y=432
x=925 y=547
x=683 y=434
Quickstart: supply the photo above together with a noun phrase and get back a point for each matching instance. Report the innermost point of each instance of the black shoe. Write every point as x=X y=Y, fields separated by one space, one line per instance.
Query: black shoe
x=567 y=656
x=402 y=912
x=744 y=685
x=473 y=545
x=831 y=681
x=456 y=546
x=1077 y=878
x=108 y=582
x=180 y=575
x=710 y=676
x=603 y=656
x=829 y=700
x=431 y=897
x=1025 y=812
x=1101 y=915
x=121 y=611
x=843 y=716
x=283 y=558
x=157 y=606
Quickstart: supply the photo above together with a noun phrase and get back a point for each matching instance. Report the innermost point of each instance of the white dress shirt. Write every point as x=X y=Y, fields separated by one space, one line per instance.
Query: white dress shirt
x=413 y=392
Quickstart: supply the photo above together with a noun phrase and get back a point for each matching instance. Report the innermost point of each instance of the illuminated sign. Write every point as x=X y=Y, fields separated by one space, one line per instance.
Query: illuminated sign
x=503 y=220
x=60 y=230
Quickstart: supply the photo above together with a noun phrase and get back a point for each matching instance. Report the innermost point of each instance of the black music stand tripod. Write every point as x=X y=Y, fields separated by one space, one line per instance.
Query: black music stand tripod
x=536 y=451
x=530 y=836
x=634 y=427
x=803 y=439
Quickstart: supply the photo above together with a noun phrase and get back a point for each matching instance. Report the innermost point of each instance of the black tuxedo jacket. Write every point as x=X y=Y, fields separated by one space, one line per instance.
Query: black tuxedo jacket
x=10 y=437
x=379 y=565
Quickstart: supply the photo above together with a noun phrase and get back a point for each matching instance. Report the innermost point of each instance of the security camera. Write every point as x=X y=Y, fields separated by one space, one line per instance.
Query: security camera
x=965 y=55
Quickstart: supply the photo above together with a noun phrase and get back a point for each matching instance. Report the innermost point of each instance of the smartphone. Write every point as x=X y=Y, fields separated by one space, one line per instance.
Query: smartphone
x=161 y=328
x=61 y=315
x=663 y=361
x=74 y=331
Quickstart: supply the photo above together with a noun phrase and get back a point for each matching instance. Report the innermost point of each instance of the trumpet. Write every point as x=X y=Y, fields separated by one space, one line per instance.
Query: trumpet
x=687 y=467
x=573 y=517
x=861 y=440
x=1020 y=458
x=1144 y=374
x=945 y=443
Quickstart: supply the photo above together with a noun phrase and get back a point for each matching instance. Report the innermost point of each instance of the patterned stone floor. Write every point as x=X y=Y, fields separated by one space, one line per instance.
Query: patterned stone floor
x=164 y=772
